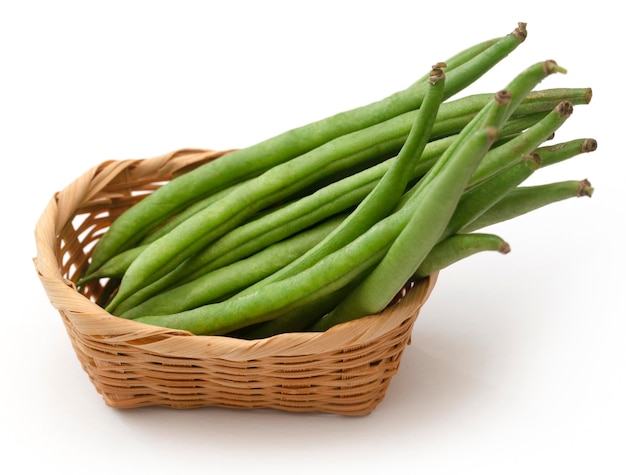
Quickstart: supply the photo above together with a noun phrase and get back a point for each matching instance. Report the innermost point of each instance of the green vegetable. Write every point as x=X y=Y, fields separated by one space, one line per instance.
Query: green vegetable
x=251 y=161
x=327 y=275
x=387 y=192
x=324 y=202
x=525 y=199
x=435 y=204
x=224 y=281
x=331 y=221
x=458 y=247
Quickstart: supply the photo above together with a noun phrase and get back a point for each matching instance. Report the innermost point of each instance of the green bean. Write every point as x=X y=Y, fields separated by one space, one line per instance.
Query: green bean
x=188 y=212
x=387 y=192
x=524 y=143
x=512 y=97
x=336 y=200
x=477 y=200
x=279 y=298
x=470 y=53
x=224 y=281
x=297 y=320
x=114 y=267
x=434 y=205
x=438 y=195
x=493 y=114
x=535 y=100
x=461 y=76
x=254 y=236
x=376 y=204
x=209 y=224
x=326 y=276
x=517 y=203
x=525 y=199
x=133 y=225
x=552 y=154
x=446 y=124
x=508 y=166
x=457 y=247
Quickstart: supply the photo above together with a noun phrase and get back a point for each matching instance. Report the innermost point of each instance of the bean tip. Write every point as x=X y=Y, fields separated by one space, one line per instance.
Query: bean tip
x=565 y=108
x=504 y=248
x=551 y=67
x=585 y=188
x=436 y=73
x=521 y=32
x=589 y=145
x=503 y=96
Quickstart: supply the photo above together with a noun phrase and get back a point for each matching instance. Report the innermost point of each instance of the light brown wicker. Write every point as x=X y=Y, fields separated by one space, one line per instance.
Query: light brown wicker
x=345 y=370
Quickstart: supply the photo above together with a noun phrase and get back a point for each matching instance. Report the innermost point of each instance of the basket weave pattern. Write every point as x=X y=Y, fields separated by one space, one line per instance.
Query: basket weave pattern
x=345 y=370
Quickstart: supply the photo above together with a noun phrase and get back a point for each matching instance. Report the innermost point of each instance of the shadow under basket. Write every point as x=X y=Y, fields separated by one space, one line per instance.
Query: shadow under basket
x=345 y=370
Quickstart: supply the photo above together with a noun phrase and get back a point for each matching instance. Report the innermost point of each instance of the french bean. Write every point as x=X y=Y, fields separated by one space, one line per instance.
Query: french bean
x=133 y=225
x=225 y=253
x=222 y=282
x=114 y=267
x=525 y=199
x=334 y=220
x=507 y=167
x=434 y=205
x=209 y=224
x=496 y=114
x=276 y=299
x=439 y=192
x=327 y=275
x=387 y=192
x=188 y=212
x=456 y=248
x=552 y=154
x=477 y=200
x=299 y=319
x=523 y=144
x=501 y=109
x=376 y=205
x=520 y=201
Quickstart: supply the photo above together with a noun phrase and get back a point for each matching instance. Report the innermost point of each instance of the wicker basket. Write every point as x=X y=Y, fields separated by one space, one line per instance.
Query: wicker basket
x=345 y=370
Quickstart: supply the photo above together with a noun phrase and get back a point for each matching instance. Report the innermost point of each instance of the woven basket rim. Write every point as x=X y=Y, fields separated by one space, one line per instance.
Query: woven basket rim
x=93 y=320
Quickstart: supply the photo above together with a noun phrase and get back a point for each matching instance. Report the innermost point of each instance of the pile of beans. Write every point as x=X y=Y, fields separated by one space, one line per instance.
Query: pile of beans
x=327 y=222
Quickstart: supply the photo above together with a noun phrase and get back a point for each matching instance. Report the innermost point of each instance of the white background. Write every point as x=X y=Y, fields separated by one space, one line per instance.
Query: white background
x=517 y=363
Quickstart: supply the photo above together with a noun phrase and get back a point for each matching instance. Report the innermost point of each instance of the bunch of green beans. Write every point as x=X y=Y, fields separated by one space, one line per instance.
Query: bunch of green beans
x=328 y=222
